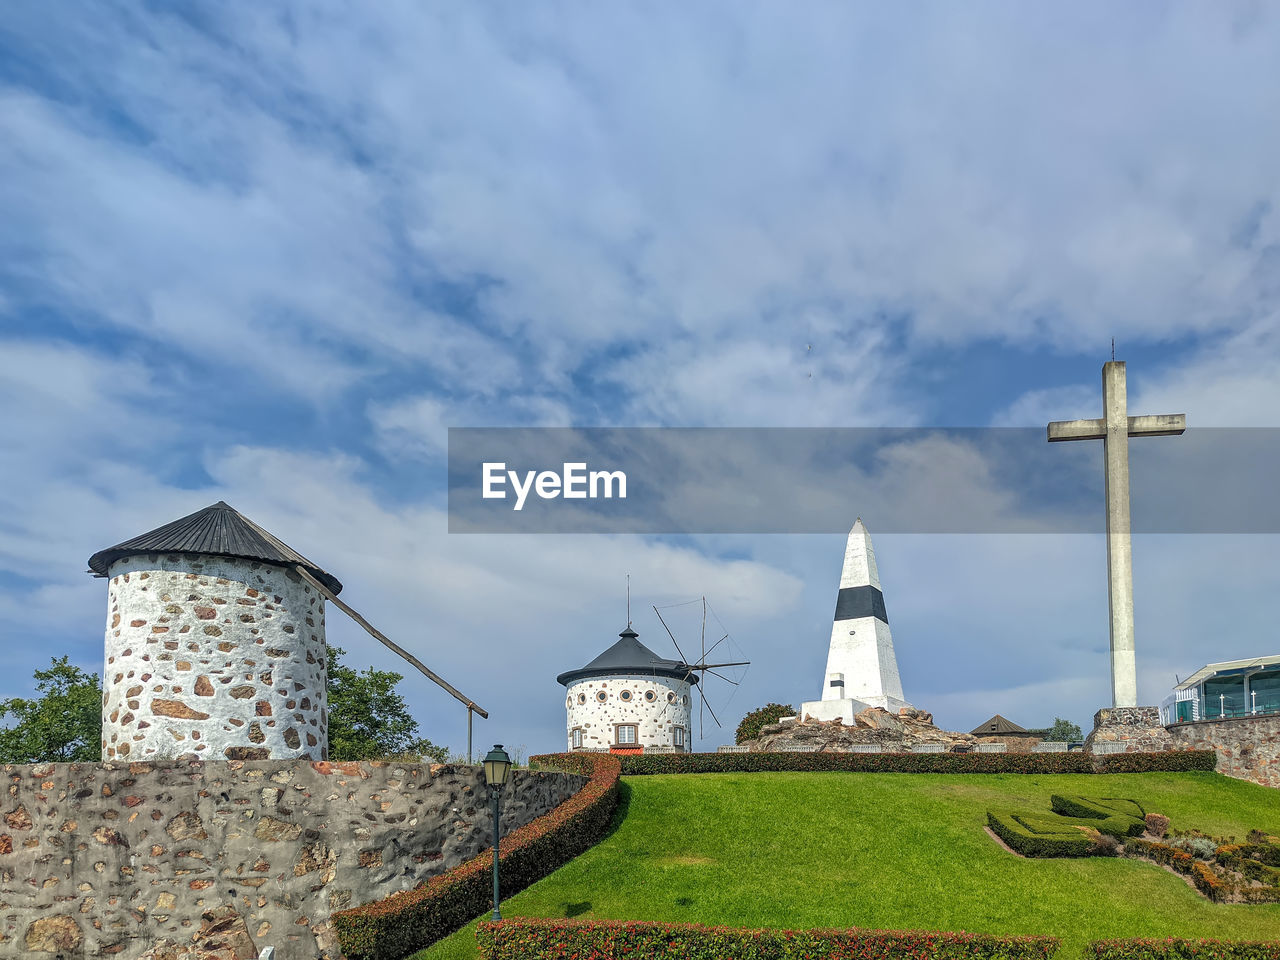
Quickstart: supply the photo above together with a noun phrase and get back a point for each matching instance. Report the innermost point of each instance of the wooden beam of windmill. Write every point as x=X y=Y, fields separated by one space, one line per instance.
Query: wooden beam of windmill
x=386 y=642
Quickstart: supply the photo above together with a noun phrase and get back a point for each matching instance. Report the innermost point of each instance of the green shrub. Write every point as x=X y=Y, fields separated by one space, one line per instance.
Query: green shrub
x=1038 y=837
x=539 y=939
x=1184 y=760
x=756 y=720
x=1107 y=816
x=397 y=926
x=1174 y=949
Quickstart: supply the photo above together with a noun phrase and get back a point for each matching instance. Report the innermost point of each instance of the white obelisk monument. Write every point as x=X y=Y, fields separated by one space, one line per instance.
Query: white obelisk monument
x=1114 y=430
x=862 y=670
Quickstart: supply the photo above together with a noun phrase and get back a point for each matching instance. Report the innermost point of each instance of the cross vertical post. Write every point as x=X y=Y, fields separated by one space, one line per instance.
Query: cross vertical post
x=1114 y=430
x=1115 y=451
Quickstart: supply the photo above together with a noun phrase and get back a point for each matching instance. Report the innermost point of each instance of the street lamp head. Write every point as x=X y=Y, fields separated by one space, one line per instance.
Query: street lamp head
x=497 y=767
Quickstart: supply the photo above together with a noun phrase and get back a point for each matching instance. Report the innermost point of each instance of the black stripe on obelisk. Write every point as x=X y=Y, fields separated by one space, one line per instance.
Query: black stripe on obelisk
x=856 y=602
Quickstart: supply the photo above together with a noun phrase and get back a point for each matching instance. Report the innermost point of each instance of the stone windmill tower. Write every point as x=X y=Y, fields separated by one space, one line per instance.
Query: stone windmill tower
x=214 y=644
x=629 y=698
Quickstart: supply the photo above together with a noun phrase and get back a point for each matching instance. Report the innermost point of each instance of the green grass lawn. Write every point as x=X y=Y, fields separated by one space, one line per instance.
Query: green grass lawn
x=890 y=851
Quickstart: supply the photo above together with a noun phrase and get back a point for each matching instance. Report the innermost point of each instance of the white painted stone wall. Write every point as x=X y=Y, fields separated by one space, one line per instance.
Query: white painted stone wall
x=212 y=658
x=656 y=706
x=862 y=651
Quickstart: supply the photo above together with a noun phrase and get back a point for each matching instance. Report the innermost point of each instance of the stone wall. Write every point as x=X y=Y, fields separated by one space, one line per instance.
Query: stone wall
x=117 y=859
x=212 y=656
x=1248 y=748
x=1128 y=730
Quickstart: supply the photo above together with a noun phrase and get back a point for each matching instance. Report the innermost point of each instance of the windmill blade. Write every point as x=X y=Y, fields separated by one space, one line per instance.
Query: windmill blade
x=721 y=676
x=703 y=641
x=714 y=645
x=683 y=658
x=710 y=708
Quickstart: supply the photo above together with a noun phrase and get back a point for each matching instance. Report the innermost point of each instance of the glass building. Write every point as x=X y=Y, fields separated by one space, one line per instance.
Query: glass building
x=1235 y=688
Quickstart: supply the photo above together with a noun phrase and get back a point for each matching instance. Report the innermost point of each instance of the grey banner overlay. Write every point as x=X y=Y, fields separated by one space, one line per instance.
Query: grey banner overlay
x=913 y=480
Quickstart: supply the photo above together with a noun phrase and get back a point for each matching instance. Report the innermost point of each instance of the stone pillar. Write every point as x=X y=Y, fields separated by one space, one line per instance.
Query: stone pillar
x=212 y=658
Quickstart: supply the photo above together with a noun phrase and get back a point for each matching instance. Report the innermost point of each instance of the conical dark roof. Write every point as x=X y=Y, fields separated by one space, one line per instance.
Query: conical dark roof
x=630 y=657
x=996 y=724
x=219 y=530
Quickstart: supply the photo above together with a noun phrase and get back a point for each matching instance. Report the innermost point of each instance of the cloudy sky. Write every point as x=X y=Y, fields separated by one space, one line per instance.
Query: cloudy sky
x=270 y=252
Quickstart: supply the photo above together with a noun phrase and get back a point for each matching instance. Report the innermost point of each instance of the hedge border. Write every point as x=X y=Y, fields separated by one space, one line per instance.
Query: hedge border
x=548 y=939
x=1173 y=948
x=1178 y=761
x=405 y=922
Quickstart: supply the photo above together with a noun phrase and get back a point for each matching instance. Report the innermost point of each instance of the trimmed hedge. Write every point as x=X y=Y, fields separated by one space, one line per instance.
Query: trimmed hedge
x=1098 y=808
x=1105 y=816
x=408 y=921
x=1174 y=760
x=1173 y=949
x=1031 y=837
x=1171 y=761
x=538 y=939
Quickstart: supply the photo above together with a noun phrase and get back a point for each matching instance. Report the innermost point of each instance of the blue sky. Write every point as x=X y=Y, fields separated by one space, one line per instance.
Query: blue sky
x=270 y=252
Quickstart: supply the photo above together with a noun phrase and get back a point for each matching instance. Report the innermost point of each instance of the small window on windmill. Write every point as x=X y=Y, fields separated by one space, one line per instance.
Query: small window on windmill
x=650 y=696
x=577 y=738
x=671 y=698
x=582 y=698
x=677 y=736
x=601 y=696
x=625 y=695
x=626 y=733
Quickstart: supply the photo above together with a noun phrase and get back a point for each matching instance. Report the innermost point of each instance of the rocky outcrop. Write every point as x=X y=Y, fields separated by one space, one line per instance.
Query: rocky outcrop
x=891 y=732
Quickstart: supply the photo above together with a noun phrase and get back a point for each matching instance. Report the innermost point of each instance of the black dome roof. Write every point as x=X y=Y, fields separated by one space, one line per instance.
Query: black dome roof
x=630 y=656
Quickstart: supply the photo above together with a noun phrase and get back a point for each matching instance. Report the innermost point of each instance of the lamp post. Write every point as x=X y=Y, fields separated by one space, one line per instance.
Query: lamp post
x=497 y=768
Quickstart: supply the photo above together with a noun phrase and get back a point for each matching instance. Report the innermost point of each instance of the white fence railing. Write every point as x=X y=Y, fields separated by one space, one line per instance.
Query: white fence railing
x=1110 y=746
x=733 y=748
x=1050 y=746
x=991 y=748
x=928 y=748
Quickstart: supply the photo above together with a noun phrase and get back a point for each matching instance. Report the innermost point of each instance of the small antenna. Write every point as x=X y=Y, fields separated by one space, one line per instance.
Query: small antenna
x=628 y=601
x=1113 y=348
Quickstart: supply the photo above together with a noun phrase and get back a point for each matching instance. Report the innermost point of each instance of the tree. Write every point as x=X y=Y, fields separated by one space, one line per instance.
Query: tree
x=63 y=723
x=754 y=721
x=368 y=719
x=1064 y=730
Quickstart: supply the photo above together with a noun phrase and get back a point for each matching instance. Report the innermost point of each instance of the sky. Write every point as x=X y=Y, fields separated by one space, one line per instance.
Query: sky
x=271 y=252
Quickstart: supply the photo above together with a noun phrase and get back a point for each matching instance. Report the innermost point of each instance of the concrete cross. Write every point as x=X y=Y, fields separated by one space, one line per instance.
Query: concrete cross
x=1114 y=430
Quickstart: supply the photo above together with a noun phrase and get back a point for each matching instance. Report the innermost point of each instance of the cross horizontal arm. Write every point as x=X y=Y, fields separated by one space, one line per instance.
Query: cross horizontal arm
x=1077 y=430
x=1158 y=425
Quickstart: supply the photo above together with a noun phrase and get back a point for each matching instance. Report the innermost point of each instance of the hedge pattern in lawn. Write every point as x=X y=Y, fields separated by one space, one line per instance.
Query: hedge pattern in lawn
x=1032 y=837
x=397 y=926
x=1116 y=817
x=537 y=939
x=1174 y=760
x=1173 y=949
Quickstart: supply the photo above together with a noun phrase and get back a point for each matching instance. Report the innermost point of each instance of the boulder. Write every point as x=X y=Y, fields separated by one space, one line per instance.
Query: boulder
x=875 y=725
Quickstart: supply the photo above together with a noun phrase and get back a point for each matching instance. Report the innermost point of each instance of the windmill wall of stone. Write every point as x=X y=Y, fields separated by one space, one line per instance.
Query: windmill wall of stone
x=215 y=646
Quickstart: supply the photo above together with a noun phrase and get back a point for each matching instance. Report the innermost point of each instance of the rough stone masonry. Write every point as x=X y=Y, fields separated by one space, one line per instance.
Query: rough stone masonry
x=212 y=655
x=101 y=860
